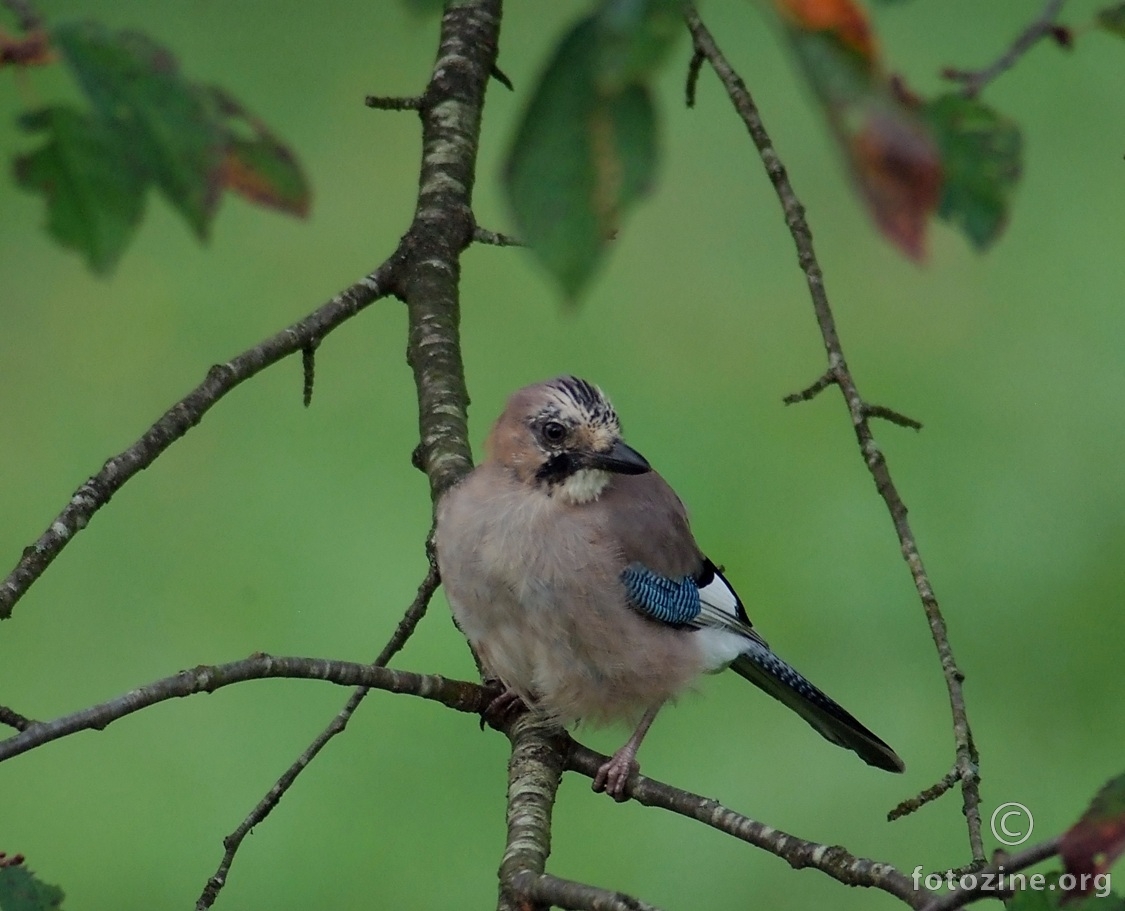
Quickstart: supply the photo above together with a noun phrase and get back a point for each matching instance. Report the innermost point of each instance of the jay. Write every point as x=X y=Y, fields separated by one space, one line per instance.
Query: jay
x=570 y=567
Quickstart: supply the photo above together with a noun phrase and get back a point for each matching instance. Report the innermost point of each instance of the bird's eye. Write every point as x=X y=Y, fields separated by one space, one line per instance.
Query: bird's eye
x=554 y=432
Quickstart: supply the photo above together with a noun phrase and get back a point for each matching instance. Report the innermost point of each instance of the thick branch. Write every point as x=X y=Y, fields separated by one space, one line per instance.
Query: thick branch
x=859 y=411
x=456 y=694
x=442 y=228
x=181 y=418
x=534 y=771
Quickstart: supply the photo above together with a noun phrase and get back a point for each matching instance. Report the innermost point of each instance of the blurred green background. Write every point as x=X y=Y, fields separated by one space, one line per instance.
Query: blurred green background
x=300 y=532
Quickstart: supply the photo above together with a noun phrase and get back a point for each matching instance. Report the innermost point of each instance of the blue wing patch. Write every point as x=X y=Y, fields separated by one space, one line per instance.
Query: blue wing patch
x=671 y=601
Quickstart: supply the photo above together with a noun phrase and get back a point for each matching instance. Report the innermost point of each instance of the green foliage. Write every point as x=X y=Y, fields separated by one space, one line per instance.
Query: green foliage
x=982 y=159
x=1112 y=19
x=148 y=125
x=136 y=90
x=586 y=149
x=93 y=203
x=20 y=890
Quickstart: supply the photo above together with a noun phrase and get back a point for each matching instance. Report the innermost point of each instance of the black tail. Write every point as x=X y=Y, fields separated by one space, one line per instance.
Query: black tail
x=768 y=672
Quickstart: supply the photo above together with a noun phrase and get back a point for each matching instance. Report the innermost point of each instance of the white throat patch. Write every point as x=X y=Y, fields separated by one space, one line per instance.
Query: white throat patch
x=584 y=485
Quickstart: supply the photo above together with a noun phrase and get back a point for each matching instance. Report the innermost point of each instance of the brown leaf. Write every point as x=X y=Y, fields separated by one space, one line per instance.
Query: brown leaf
x=31 y=50
x=899 y=172
x=1092 y=844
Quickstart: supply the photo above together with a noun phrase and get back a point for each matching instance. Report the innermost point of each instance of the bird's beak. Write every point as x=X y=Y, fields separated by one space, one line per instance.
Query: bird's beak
x=621 y=459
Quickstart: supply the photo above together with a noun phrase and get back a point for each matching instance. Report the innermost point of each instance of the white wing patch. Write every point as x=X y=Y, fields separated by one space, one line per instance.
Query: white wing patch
x=719 y=595
x=722 y=610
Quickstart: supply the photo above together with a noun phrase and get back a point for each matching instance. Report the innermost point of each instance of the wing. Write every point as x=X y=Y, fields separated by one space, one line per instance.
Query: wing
x=699 y=601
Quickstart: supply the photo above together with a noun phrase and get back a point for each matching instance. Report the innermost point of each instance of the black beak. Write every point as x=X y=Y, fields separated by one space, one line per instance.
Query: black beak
x=621 y=459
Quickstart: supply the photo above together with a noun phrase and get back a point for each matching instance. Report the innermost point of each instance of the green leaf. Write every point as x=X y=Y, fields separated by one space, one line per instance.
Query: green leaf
x=94 y=203
x=634 y=37
x=584 y=153
x=21 y=891
x=1112 y=19
x=981 y=155
x=136 y=89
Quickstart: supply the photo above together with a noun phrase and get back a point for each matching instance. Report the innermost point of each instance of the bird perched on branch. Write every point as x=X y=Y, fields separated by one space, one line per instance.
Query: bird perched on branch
x=569 y=565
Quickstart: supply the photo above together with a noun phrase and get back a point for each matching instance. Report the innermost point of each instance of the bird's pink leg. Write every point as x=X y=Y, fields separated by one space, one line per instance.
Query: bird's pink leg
x=614 y=774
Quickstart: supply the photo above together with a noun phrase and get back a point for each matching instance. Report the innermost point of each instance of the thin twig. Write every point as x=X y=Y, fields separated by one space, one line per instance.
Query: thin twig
x=395 y=102
x=495 y=238
x=985 y=881
x=265 y=806
x=1044 y=25
x=14 y=719
x=308 y=371
x=891 y=416
x=693 y=68
x=797 y=852
x=456 y=694
x=966 y=754
x=826 y=379
x=918 y=801
x=182 y=417
x=500 y=76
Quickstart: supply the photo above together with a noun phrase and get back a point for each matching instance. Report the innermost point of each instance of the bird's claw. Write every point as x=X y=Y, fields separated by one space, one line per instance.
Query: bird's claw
x=614 y=774
x=502 y=708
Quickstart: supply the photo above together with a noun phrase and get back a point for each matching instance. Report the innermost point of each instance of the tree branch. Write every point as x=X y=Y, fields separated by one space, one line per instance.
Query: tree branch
x=265 y=806
x=974 y=81
x=1008 y=865
x=455 y=694
x=443 y=227
x=797 y=852
x=182 y=417
x=546 y=891
x=534 y=771
x=495 y=238
x=839 y=374
x=450 y=110
x=14 y=719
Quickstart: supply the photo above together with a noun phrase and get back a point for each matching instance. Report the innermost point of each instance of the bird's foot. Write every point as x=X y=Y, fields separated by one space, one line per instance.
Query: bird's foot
x=614 y=774
x=502 y=708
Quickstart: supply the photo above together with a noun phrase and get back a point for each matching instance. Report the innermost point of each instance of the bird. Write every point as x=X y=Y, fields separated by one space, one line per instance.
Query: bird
x=570 y=566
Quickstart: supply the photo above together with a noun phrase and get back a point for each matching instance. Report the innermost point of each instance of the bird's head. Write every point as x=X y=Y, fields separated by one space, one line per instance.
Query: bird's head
x=564 y=437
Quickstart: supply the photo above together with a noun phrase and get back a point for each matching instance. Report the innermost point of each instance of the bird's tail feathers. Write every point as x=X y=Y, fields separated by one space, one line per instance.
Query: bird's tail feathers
x=768 y=672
